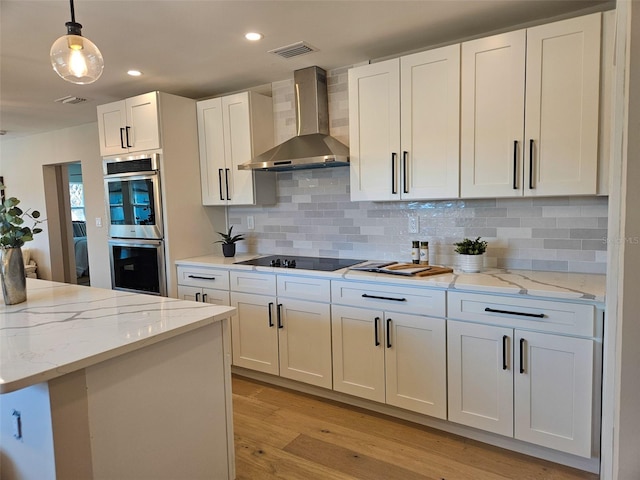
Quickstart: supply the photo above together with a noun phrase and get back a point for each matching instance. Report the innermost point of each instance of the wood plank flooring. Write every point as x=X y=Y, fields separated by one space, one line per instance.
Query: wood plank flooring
x=282 y=434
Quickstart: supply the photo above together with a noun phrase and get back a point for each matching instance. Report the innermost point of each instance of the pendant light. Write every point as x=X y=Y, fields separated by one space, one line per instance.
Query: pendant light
x=74 y=57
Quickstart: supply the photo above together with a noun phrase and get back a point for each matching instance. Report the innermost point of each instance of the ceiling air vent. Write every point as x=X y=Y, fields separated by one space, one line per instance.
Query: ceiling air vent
x=70 y=99
x=294 y=50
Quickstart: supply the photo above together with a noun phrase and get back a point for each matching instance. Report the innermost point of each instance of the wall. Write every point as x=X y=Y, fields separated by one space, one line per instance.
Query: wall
x=314 y=215
x=21 y=162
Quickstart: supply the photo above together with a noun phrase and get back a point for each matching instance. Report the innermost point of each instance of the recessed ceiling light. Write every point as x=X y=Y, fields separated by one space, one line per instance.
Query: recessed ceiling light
x=253 y=36
x=134 y=73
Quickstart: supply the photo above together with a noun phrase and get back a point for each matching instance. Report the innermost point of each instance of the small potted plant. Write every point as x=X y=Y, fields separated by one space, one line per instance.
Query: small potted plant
x=13 y=235
x=228 y=241
x=471 y=251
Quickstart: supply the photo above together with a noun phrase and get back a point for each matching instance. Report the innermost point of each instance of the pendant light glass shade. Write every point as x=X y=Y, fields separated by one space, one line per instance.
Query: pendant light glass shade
x=76 y=58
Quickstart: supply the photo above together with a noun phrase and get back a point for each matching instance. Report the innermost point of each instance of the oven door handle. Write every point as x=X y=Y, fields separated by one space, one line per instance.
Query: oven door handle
x=135 y=242
x=132 y=175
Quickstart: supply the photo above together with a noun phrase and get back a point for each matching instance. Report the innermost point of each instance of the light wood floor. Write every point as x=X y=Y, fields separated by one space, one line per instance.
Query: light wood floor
x=288 y=435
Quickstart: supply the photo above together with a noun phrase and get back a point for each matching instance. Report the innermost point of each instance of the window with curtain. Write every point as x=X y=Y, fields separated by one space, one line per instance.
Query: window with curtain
x=76 y=195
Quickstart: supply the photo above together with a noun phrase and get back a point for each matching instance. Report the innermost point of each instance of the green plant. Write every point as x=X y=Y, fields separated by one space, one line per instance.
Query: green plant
x=228 y=238
x=13 y=233
x=471 y=247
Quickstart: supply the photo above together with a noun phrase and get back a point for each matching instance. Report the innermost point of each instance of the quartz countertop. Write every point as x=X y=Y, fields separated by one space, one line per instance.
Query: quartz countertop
x=553 y=285
x=62 y=328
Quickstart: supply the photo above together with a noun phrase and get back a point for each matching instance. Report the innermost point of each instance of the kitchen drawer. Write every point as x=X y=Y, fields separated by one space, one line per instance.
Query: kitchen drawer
x=203 y=277
x=252 y=282
x=304 y=288
x=544 y=315
x=392 y=298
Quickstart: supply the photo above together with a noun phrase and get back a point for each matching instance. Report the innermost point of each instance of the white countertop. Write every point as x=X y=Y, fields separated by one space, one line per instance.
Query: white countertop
x=554 y=285
x=62 y=328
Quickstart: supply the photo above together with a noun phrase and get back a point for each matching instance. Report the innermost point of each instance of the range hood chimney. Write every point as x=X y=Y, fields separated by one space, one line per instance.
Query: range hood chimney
x=312 y=147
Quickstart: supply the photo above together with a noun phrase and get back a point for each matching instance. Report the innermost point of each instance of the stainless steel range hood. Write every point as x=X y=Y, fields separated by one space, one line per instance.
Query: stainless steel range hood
x=312 y=147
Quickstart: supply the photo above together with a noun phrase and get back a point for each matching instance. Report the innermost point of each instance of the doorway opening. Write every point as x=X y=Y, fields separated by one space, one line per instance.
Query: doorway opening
x=64 y=196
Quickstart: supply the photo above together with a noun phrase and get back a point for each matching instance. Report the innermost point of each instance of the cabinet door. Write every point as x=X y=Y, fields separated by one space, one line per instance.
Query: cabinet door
x=211 y=146
x=254 y=332
x=237 y=148
x=430 y=123
x=193 y=294
x=415 y=363
x=480 y=376
x=563 y=87
x=553 y=392
x=492 y=118
x=374 y=131
x=304 y=334
x=215 y=297
x=143 y=128
x=358 y=352
x=112 y=119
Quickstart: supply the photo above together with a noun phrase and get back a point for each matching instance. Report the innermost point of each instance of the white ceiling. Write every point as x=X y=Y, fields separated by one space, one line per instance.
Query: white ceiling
x=197 y=48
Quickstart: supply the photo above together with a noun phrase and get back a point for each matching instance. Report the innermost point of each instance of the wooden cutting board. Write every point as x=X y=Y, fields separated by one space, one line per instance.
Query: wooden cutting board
x=434 y=270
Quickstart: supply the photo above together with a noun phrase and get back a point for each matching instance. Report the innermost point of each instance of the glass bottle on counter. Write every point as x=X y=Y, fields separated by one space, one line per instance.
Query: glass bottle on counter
x=424 y=253
x=415 y=251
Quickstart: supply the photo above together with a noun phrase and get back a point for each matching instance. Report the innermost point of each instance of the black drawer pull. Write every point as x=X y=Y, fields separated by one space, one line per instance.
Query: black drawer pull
x=126 y=131
x=531 y=164
x=376 y=340
x=394 y=188
x=204 y=298
x=280 y=325
x=270 y=314
x=508 y=312
x=366 y=295
x=405 y=187
x=220 y=182
x=122 y=138
x=522 y=355
x=388 y=333
x=198 y=277
x=505 y=339
x=198 y=297
x=515 y=164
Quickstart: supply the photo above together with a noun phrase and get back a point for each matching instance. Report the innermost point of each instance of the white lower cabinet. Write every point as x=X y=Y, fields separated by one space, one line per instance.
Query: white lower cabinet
x=534 y=386
x=201 y=284
x=279 y=335
x=390 y=357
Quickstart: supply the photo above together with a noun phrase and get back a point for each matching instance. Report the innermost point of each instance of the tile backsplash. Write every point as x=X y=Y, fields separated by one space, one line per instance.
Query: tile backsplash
x=315 y=216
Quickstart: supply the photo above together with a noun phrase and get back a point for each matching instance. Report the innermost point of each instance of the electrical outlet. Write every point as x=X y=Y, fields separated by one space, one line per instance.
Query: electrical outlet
x=251 y=223
x=414 y=224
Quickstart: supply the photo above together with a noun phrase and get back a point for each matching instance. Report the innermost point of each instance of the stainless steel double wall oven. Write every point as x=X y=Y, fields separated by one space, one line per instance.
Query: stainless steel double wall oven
x=134 y=213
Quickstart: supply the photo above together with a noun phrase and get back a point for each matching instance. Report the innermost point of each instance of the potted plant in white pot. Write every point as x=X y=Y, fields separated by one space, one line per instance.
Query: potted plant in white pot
x=13 y=235
x=471 y=254
x=228 y=241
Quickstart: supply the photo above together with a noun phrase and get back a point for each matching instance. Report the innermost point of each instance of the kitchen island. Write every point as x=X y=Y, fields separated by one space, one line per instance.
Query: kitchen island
x=97 y=384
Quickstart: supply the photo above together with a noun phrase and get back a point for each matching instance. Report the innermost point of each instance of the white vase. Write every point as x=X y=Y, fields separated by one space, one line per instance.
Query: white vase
x=471 y=263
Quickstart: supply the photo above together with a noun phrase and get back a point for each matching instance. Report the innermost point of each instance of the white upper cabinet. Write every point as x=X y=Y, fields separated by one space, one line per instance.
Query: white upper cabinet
x=231 y=131
x=404 y=127
x=542 y=140
x=130 y=125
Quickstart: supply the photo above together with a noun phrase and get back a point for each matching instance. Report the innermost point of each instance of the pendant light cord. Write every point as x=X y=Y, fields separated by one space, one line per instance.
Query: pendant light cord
x=73 y=12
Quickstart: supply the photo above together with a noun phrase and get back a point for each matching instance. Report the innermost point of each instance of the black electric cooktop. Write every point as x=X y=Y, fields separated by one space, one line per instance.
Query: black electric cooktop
x=306 y=263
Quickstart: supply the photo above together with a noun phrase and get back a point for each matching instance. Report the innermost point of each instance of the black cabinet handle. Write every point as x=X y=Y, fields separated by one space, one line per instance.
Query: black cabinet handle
x=226 y=182
x=198 y=277
x=405 y=187
x=509 y=312
x=531 y=164
x=394 y=190
x=220 y=182
x=127 y=132
x=388 y=333
x=122 y=138
x=198 y=297
x=270 y=314
x=376 y=340
x=515 y=164
x=522 y=355
x=505 y=339
x=204 y=297
x=366 y=295
x=280 y=325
